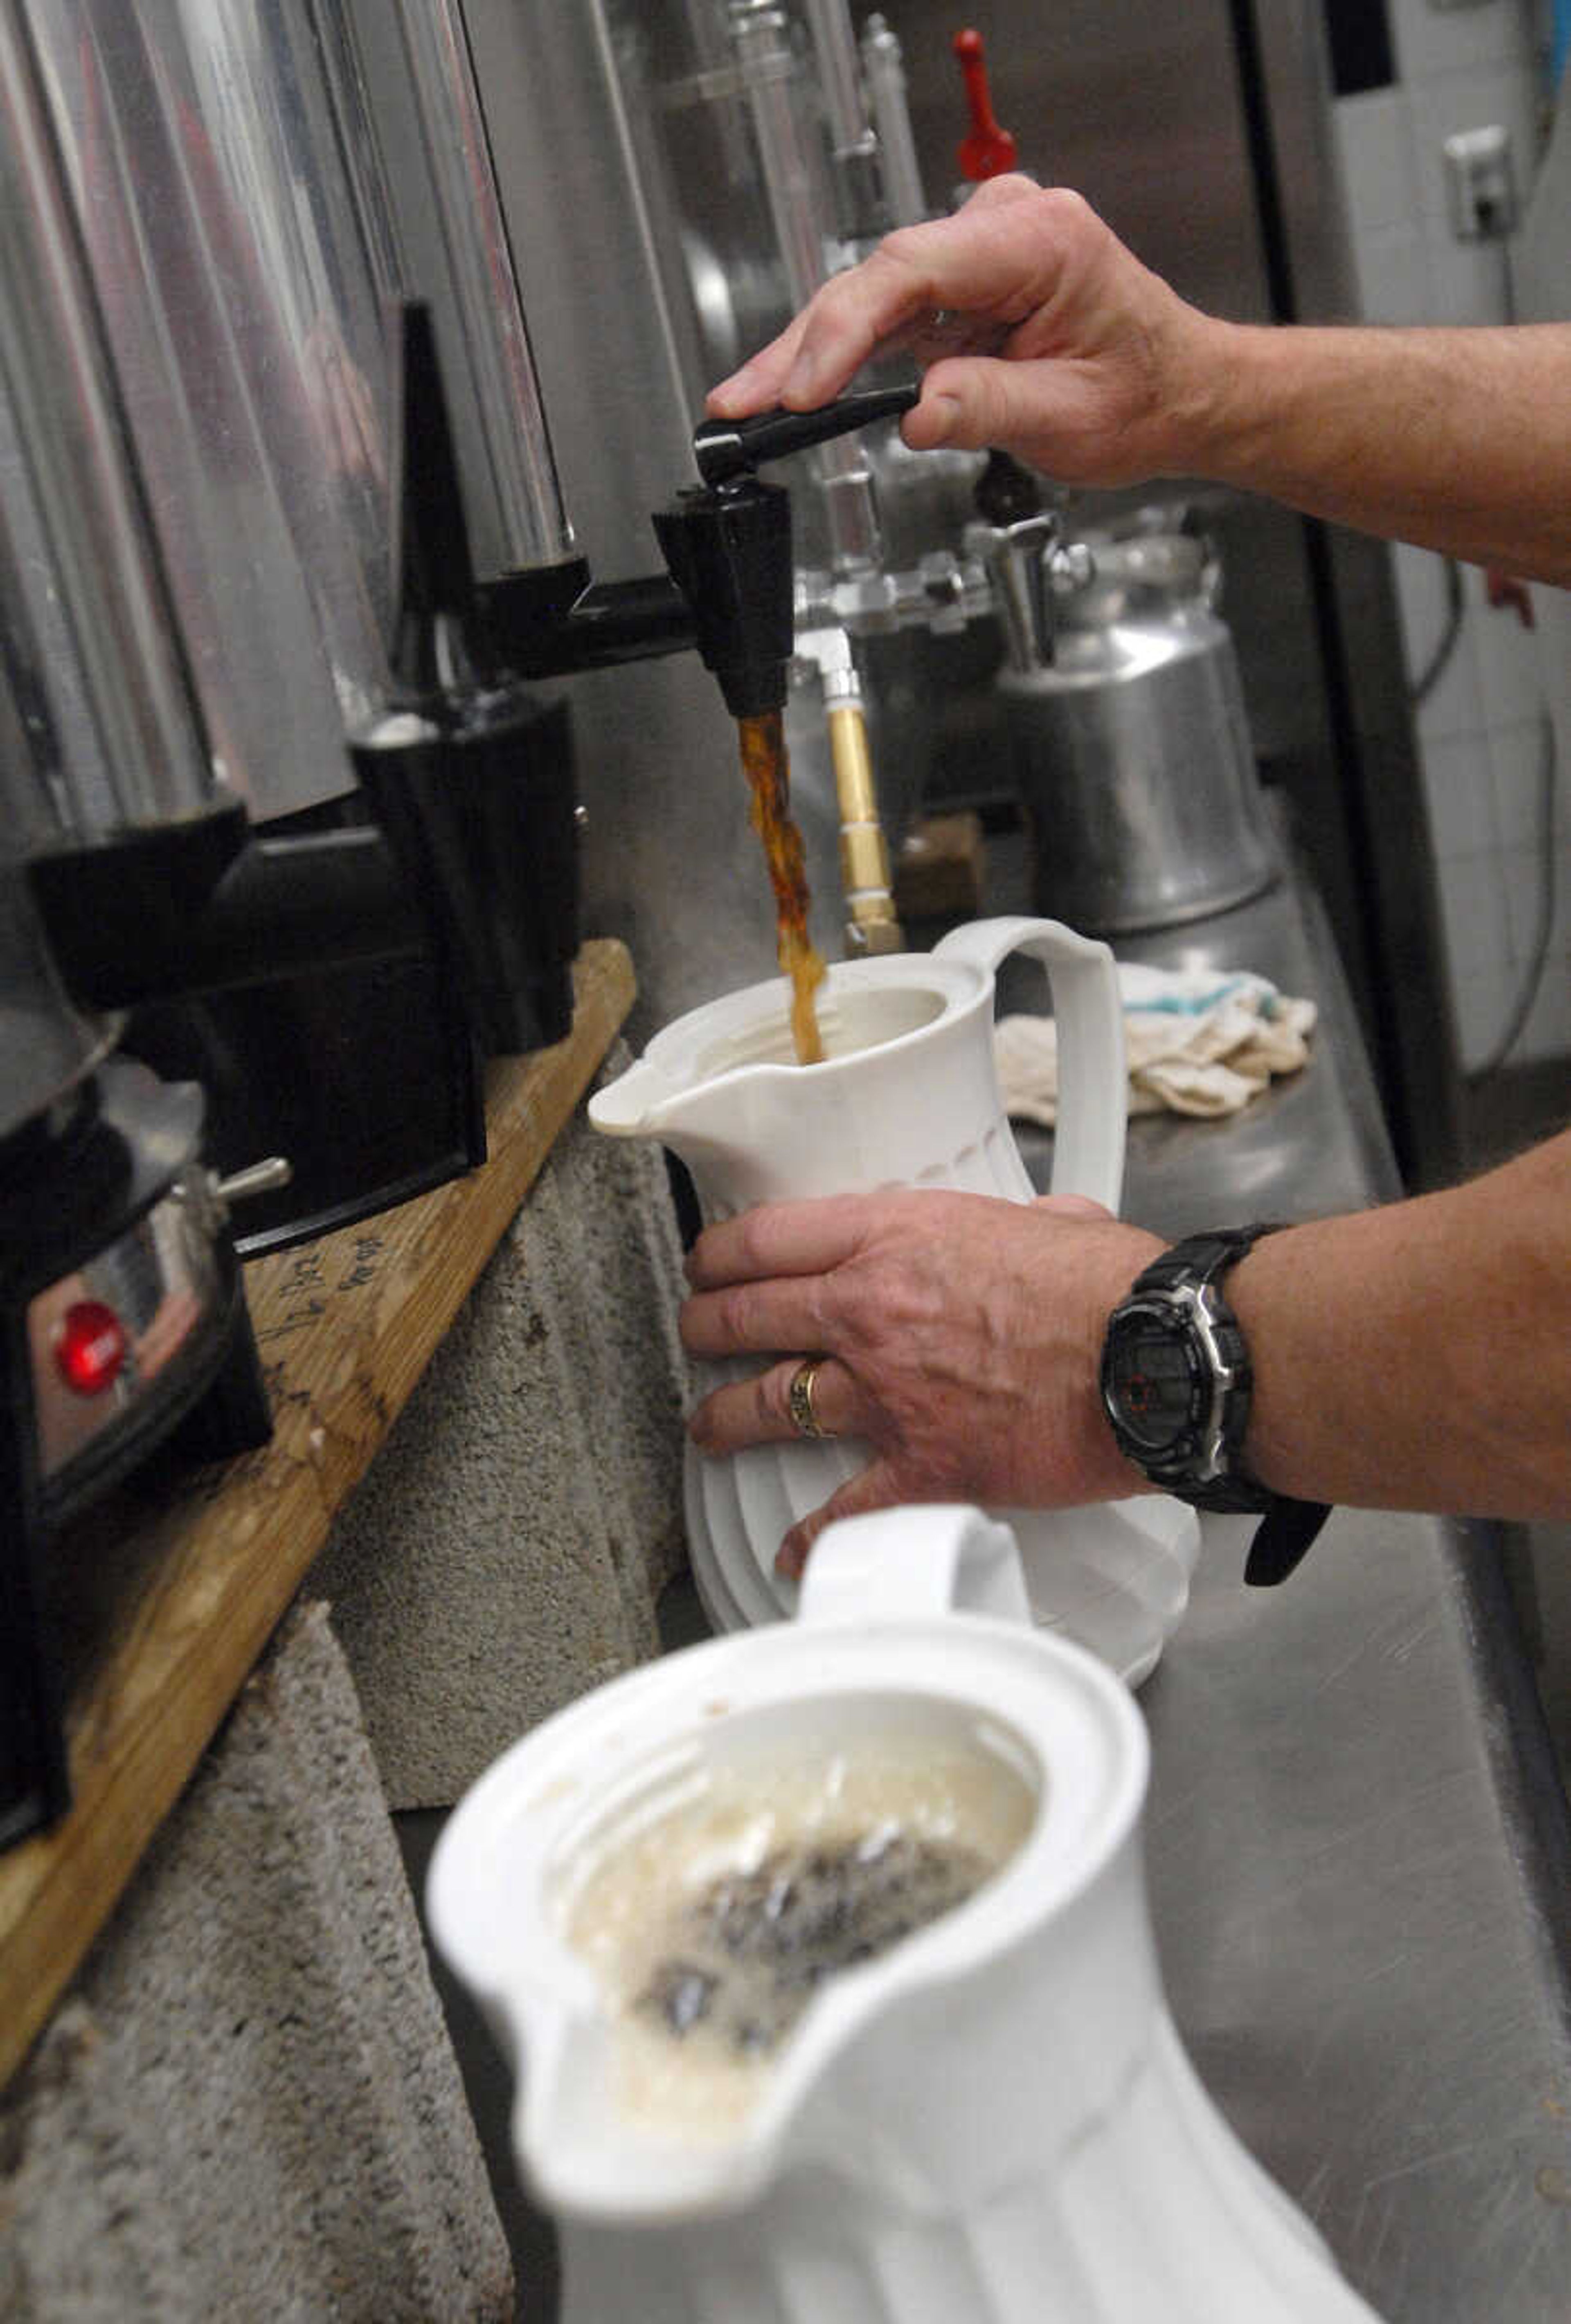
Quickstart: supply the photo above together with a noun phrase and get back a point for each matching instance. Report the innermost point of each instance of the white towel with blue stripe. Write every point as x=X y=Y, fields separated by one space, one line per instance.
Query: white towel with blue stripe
x=1199 y=1042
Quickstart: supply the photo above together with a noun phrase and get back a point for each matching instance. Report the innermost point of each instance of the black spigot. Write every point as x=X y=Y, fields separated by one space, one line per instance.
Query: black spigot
x=470 y=776
x=728 y=542
x=729 y=553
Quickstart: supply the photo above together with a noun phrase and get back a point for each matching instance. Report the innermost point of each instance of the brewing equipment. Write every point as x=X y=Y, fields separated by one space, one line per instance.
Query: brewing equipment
x=247 y=237
x=898 y=553
x=787 y=129
x=646 y=234
x=123 y=1325
x=1118 y=716
x=229 y=478
x=242 y=263
x=122 y=1321
x=134 y=872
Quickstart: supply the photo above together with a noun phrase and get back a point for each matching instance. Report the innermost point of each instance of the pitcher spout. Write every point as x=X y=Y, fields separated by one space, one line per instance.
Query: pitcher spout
x=639 y=1103
x=588 y=2156
x=718 y=1123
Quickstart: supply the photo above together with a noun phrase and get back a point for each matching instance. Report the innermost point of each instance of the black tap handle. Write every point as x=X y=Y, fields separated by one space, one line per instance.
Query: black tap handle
x=727 y=450
x=433 y=573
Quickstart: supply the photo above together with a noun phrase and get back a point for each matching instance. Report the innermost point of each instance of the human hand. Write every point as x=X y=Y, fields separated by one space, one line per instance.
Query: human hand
x=1094 y=371
x=961 y=1337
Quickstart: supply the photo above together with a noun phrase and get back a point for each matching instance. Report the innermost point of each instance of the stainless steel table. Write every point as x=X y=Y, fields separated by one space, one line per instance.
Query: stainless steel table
x=1357 y=1841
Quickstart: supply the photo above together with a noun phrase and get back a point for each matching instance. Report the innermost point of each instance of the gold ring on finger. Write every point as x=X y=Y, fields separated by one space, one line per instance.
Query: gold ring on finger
x=799 y=1398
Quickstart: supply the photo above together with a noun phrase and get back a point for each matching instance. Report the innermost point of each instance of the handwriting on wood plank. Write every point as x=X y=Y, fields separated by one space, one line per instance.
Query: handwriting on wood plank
x=301 y=1294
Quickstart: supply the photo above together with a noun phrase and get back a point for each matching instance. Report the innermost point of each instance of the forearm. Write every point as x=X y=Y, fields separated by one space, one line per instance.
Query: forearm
x=1419 y=1356
x=1459 y=439
x=1414 y=1357
x=1076 y=358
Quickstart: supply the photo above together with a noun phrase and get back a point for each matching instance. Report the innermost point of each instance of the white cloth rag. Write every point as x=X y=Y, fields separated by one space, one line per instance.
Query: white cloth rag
x=1199 y=1042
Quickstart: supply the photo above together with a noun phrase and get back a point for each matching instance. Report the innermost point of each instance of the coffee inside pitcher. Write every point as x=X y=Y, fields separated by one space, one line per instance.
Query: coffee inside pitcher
x=849 y=1023
x=713 y=1917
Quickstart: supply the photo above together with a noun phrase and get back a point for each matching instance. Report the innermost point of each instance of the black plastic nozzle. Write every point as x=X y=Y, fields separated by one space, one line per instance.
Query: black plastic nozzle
x=479 y=817
x=475 y=792
x=729 y=553
x=727 y=543
x=726 y=450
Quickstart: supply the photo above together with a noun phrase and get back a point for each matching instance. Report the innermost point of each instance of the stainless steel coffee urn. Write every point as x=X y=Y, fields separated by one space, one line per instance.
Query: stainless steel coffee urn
x=122 y=1323
x=243 y=270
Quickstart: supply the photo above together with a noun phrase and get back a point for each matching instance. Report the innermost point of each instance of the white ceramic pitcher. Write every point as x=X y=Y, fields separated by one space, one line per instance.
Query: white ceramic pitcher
x=908 y=1095
x=994 y=2119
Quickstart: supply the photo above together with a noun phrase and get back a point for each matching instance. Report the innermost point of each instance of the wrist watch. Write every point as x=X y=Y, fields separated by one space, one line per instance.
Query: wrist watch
x=1176 y=1383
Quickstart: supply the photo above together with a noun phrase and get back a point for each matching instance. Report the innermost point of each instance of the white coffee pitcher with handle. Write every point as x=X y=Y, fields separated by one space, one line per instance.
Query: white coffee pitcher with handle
x=987 y=2116
x=907 y=1095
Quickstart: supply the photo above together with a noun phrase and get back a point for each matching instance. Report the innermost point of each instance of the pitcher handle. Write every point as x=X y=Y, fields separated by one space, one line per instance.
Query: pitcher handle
x=937 y=1558
x=1093 y=1098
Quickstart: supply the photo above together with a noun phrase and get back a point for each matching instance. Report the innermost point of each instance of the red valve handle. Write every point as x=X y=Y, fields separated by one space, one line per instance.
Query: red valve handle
x=988 y=151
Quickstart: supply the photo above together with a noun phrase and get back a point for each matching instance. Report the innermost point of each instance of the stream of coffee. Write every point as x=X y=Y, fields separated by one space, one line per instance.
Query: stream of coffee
x=767 y=767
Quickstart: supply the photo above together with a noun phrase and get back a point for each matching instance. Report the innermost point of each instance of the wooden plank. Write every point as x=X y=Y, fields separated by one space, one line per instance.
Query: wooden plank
x=169 y=1600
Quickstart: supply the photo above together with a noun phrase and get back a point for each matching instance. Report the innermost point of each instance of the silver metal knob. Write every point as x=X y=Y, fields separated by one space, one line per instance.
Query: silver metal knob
x=1072 y=566
x=263 y=1177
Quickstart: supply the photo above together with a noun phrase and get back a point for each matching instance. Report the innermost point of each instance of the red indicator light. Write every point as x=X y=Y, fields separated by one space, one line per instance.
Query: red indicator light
x=90 y=1348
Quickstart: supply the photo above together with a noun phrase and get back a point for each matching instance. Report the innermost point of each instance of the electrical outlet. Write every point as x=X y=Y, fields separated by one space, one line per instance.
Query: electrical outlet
x=1481 y=184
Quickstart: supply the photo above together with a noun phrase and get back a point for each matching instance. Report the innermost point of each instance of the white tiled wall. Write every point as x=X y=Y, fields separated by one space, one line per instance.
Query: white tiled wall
x=1481 y=730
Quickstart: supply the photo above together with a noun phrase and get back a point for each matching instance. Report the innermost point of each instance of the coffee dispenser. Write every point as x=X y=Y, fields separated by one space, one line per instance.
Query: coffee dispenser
x=123 y=1324
x=232 y=181
x=246 y=268
x=123 y=1327
x=1087 y=677
x=147 y=864
x=732 y=564
x=242 y=275
x=170 y=886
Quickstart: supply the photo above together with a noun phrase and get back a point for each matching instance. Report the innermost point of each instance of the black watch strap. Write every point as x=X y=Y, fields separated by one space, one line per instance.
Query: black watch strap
x=1287 y=1526
x=1282 y=1536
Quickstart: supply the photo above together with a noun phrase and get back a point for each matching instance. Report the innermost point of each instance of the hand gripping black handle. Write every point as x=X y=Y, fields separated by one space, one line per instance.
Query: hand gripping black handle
x=728 y=449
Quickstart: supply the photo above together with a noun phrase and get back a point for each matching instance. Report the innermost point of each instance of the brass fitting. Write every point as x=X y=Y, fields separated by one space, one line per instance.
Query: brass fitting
x=872 y=923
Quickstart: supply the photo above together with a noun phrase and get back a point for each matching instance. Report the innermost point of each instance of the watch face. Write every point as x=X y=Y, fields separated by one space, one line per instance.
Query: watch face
x=1152 y=1380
